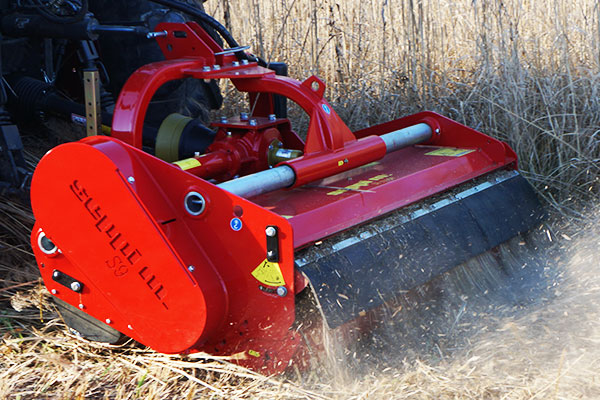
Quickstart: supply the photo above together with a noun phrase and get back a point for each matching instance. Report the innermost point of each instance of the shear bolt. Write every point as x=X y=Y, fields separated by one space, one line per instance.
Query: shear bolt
x=206 y=68
x=244 y=116
x=281 y=291
x=236 y=63
x=191 y=268
x=131 y=180
x=75 y=286
x=53 y=291
x=253 y=122
x=108 y=321
x=270 y=231
x=244 y=62
x=272 y=117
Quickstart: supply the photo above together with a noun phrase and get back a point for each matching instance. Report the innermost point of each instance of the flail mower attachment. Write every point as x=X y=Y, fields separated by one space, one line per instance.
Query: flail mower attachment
x=183 y=255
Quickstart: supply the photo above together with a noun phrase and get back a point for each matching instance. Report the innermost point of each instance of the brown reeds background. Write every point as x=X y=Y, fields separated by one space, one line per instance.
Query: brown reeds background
x=524 y=71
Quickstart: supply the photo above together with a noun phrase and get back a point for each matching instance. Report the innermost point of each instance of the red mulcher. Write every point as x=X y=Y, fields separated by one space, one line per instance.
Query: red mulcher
x=208 y=252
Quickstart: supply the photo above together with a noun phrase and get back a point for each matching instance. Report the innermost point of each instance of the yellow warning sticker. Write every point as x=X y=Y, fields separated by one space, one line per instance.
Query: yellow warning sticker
x=254 y=353
x=379 y=177
x=360 y=185
x=449 y=152
x=374 y=163
x=269 y=273
x=188 y=163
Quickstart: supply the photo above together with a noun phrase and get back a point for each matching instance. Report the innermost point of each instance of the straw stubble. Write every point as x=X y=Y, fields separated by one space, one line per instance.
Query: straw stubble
x=523 y=71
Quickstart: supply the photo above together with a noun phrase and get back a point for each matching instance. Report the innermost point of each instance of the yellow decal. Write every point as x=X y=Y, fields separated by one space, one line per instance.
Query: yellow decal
x=269 y=273
x=254 y=353
x=358 y=185
x=379 y=177
x=371 y=164
x=188 y=163
x=340 y=163
x=449 y=152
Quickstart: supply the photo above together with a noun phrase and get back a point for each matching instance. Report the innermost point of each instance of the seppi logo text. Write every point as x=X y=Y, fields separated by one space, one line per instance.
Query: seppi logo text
x=126 y=255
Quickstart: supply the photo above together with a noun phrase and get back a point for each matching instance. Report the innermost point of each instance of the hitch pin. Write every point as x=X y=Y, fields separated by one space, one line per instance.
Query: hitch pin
x=152 y=35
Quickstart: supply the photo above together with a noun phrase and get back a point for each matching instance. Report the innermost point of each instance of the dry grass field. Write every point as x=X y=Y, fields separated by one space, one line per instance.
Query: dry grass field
x=525 y=71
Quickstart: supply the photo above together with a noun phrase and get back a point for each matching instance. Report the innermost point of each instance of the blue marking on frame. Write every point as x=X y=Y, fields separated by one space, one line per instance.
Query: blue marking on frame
x=235 y=224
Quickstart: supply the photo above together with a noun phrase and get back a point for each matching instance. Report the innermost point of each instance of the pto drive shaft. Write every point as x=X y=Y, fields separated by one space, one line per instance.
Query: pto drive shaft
x=284 y=176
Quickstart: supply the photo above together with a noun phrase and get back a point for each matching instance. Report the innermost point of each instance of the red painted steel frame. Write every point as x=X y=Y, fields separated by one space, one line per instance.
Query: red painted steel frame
x=410 y=175
x=175 y=282
x=241 y=149
x=328 y=139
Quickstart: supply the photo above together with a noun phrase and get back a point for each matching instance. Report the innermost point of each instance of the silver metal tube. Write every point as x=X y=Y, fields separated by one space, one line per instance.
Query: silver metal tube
x=284 y=176
x=407 y=136
x=261 y=182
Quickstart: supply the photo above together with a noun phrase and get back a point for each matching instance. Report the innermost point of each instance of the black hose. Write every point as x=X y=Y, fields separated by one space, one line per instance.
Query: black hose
x=213 y=23
x=63 y=19
x=202 y=16
x=33 y=95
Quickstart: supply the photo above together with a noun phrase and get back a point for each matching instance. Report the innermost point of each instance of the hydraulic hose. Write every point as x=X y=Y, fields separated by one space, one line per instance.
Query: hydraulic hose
x=42 y=9
x=202 y=16
x=213 y=23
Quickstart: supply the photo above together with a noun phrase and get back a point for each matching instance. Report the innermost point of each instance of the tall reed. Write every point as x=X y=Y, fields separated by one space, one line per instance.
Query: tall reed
x=526 y=72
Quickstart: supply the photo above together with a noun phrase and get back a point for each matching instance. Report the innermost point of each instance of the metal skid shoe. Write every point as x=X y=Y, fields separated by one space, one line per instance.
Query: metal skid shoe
x=181 y=257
